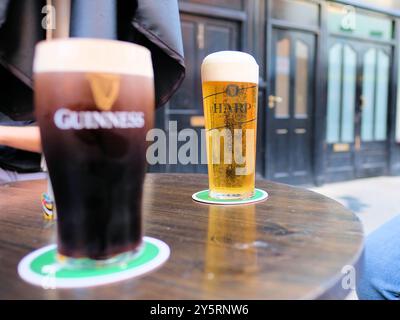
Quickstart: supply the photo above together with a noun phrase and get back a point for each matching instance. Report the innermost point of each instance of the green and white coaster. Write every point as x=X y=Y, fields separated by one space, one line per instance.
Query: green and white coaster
x=204 y=197
x=41 y=268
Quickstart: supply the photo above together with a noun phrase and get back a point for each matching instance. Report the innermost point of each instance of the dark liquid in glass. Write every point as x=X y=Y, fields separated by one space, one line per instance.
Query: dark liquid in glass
x=97 y=173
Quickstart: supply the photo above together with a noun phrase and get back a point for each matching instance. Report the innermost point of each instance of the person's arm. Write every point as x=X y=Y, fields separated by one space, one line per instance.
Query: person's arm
x=24 y=138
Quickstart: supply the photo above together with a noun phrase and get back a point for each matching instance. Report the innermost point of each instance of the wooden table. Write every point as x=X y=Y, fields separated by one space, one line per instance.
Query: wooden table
x=291 y=246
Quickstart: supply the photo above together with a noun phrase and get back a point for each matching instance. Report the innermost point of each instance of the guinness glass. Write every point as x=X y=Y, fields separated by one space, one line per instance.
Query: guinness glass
x=94 y=104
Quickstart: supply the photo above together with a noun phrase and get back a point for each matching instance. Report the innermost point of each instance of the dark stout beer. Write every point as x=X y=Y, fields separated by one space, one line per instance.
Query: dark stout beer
x=94 y=104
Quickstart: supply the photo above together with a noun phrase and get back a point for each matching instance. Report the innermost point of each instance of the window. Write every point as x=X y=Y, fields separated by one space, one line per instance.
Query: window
x=368 y=89
x=382 y=96
x=301 y=79
x=349 y=94
x=282 y=82
x=398 y=109
x=342 y=78
x=375 y=95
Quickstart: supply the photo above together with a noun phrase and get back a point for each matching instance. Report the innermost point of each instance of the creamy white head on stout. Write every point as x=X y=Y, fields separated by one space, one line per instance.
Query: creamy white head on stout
x=230 y=66
x=92 y=55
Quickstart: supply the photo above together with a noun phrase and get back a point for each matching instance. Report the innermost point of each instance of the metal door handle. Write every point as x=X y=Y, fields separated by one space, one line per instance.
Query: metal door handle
x=274 y=99
x=362 y=102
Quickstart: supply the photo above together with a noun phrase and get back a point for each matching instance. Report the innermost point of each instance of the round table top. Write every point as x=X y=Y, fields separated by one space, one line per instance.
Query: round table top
x=292 y=246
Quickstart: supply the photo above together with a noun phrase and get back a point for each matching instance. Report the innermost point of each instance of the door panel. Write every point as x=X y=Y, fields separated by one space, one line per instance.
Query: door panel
x=371 y=156
x=188 y=92
x=290 y=105
x=201 y=36
x=343 y=90
x=280 y=161
x=358 y=84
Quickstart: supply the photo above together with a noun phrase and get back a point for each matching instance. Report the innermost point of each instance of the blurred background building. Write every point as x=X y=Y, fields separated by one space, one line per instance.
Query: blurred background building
x=328 y=94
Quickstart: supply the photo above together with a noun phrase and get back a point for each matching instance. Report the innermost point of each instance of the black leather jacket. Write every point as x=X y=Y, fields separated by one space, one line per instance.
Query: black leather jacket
x=151 y=23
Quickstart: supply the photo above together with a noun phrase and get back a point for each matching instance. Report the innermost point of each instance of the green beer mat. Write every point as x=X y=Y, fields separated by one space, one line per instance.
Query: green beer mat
x=41 y=268
x=203 y=196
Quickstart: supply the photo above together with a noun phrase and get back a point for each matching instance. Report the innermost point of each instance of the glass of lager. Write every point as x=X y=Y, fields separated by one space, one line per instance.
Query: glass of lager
x=94 y=102
x=230 y=92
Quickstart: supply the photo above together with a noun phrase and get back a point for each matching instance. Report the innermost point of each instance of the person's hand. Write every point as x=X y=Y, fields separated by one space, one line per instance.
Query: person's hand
x=24 y=138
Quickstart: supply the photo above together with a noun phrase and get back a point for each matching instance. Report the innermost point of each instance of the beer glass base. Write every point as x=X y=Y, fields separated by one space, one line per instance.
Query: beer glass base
x=231 y=196
x=87 y=263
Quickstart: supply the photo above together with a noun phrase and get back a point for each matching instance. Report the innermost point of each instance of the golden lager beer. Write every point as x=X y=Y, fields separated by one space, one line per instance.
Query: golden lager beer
x=230 y=90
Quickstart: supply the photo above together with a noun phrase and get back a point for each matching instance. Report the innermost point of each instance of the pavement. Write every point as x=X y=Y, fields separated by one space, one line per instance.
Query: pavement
x=374 y=200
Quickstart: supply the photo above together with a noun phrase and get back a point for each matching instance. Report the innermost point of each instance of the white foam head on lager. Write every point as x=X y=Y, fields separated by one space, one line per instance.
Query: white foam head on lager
x=230 y=66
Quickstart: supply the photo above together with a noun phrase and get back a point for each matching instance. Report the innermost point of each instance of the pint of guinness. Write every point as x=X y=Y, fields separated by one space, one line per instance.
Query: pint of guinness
x=230 y=90
x=94 y=105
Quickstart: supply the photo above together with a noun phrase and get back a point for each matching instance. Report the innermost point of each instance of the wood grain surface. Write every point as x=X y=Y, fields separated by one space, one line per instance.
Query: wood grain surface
x=291 y=246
